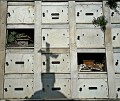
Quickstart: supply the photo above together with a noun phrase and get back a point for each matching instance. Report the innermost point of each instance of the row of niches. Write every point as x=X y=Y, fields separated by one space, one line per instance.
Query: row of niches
x=53 y=88
x=56 y=87
x=58 y=13
x=60 y=38
x=59 y=62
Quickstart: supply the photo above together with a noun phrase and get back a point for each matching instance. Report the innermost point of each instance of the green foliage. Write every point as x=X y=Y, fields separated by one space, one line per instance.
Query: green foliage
x=112 y=4
x=100 y=21
x=11 y=37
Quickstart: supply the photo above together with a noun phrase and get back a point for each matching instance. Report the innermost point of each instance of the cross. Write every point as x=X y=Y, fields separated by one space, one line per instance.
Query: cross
x=48 y=56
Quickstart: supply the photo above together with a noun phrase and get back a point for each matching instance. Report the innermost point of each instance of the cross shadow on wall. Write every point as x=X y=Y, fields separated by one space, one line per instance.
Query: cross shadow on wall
x=48 y=90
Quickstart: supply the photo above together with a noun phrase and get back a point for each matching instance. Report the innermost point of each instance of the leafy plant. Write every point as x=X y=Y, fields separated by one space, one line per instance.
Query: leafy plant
x=100 y=21
x=11 y=37
x=112 y=4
